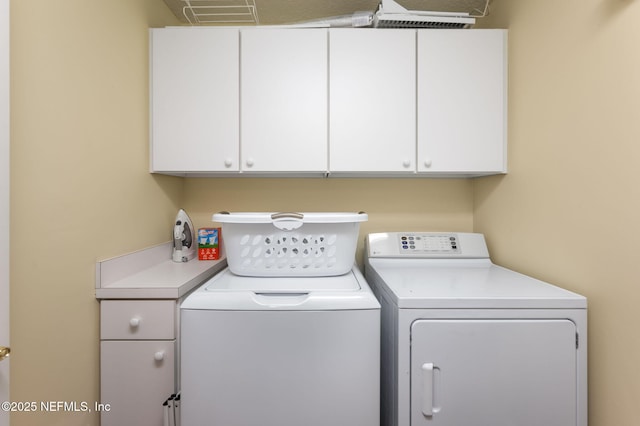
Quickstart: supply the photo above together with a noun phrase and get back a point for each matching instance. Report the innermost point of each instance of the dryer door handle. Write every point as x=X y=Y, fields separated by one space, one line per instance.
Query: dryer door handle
x=427 y=389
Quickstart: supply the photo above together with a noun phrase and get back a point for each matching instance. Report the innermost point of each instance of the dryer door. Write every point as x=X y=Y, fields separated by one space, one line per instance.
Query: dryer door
x=485 y=372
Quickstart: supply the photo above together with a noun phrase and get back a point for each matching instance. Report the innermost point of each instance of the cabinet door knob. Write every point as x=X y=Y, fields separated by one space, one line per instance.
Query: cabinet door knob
x=4 y=352
x=158 y=356
x=406 y=164
x=250 y=162
x=427 y=162
x=134 y=322
x=228 y=162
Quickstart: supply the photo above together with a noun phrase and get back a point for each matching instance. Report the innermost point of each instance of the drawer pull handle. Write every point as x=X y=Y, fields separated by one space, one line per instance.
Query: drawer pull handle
x=134 y=322
x=158 y=356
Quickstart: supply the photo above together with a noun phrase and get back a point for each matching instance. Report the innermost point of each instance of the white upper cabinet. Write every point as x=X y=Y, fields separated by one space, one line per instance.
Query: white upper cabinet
x=194 y=100
x=313 y=101
x=462 y=77
x=283 y=108
x=372 y=98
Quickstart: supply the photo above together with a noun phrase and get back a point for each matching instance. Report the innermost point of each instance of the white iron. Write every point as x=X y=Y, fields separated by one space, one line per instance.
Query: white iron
x=184 y=248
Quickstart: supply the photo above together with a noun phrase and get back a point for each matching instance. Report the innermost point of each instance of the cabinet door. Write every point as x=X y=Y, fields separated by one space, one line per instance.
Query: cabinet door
x=493 y=372
x=194 y=99
x=284 y=100
x=134 y=382
x=462 y=101
x=372 y=100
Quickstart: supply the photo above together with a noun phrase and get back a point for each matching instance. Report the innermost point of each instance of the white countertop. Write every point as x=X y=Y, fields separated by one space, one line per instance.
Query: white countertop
x=151 y=274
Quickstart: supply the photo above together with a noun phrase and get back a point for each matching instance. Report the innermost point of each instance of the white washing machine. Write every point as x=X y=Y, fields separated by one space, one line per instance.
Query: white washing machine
x=466 y=342
x=269 y=351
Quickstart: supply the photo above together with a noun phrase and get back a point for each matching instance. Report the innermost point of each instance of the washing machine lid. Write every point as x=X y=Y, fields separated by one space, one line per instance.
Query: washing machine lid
x=228 y=281
x=227 y=291
x=465 y=283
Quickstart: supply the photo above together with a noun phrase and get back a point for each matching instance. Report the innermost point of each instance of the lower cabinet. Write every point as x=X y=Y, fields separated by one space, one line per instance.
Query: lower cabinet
x=136 y=378
x=138 y=359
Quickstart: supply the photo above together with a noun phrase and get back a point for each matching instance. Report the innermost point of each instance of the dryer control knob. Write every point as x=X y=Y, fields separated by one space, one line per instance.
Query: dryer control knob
x=158 y=356
x=134 y=322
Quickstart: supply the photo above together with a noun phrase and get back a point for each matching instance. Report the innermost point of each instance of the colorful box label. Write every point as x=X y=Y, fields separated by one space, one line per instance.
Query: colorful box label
x=209 y=243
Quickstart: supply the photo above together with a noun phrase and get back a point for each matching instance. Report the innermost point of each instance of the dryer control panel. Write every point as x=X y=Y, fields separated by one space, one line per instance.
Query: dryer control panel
x=427 y=245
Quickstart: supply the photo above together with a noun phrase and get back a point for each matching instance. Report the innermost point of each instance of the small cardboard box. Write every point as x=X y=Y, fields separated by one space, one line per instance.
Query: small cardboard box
x=209 y=243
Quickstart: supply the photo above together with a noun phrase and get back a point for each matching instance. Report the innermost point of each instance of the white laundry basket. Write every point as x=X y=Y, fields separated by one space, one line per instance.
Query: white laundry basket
x=290 y=244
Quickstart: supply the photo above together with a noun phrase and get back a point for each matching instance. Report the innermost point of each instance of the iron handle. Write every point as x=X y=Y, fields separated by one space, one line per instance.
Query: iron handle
x=4 y=352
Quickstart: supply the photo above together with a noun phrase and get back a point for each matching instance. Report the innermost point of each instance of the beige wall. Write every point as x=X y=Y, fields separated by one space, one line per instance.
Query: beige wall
x=80 y=190
x=568 y=210
x=392 y=204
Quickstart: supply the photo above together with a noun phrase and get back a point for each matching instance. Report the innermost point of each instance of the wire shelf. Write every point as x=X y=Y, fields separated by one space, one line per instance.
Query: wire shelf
x=220 y=12
x=474 y=8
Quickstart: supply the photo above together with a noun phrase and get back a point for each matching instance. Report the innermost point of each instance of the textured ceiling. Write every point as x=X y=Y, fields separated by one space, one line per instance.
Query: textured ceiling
x=275 y=12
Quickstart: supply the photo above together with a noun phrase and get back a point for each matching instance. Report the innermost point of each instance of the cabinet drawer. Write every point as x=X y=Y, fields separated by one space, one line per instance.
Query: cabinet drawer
x=137 y=320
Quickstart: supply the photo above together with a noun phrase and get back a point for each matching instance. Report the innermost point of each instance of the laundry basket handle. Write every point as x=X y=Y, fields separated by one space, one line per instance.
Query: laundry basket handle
x=287 y=215
x=287 y=221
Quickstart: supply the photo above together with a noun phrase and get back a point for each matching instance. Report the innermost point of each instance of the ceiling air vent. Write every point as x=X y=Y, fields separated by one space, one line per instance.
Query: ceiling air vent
x=429 y=13
x=398 y=20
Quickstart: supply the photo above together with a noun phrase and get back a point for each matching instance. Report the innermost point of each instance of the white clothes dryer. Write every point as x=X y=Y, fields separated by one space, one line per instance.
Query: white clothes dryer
x=467 y=342
x=269 y=351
